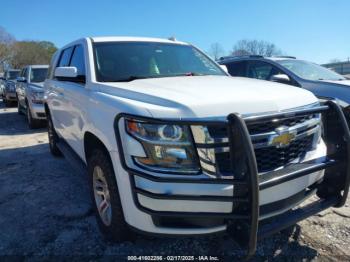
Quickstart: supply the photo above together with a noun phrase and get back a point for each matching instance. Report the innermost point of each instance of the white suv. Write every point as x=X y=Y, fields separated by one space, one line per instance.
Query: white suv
x=173 y=145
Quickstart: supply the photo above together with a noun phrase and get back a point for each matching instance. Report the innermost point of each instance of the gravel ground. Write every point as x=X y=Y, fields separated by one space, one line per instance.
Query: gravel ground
x=45 y=211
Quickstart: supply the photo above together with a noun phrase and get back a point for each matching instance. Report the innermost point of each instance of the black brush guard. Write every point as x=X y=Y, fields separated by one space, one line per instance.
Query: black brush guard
x=244 y=225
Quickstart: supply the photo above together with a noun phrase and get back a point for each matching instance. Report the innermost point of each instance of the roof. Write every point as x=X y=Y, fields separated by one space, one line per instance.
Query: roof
x=273 y=58
x=134 y=39
x=38 y=66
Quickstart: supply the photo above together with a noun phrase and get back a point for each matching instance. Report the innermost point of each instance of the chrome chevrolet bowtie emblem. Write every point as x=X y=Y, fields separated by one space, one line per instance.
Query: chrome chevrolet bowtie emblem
x=282 y=138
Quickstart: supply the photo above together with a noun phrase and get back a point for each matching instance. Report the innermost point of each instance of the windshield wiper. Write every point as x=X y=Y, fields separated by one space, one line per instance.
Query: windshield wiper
x=189 y=74
x=132 y=78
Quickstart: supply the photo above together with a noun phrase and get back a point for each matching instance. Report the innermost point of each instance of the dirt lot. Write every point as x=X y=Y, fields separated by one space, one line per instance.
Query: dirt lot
x=45 y=210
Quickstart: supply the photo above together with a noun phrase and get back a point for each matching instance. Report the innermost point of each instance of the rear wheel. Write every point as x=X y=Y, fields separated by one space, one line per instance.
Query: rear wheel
x=53 y=137
x=105 y=196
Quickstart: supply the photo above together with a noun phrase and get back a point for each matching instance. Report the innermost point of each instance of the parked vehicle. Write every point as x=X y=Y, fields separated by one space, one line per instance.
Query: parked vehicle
x=30 y=94
x=324 y=83
x=2 y=86
x=9 y=92
x=173 y=145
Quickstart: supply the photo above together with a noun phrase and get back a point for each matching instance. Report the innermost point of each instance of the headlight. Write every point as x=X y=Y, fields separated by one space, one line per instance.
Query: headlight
x=168 y=148
x=37 y=97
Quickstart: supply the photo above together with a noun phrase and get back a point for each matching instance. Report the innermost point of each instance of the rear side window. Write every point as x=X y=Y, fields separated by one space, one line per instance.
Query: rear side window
x=65 y=57
x=78 y=60
x=237 y=69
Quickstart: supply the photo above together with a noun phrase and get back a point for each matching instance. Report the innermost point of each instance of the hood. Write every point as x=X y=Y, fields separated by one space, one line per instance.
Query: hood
x=209 y=96
x=332 y=89
x=342 y=82
x=37 y=87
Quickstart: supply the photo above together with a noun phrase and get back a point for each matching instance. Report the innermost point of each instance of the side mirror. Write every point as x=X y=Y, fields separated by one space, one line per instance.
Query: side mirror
x=224 y=67
x=21 y=79
x=69 y=73
x=66 y=72
x=280 y=78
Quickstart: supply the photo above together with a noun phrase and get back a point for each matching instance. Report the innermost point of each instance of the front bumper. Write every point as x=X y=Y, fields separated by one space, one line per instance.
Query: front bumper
x=208 y=205
x=38 y=111
x=11 y=96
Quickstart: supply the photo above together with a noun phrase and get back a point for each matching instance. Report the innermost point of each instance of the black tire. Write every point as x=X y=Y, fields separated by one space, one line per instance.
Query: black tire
x=19 y=109
x=117 y=230
x=7 y=103
x=53 y=138
x=32 y=123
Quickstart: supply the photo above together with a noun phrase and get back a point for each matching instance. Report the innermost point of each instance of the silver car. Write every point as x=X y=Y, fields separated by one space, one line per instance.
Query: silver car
x=9 y=86
x=30 y=94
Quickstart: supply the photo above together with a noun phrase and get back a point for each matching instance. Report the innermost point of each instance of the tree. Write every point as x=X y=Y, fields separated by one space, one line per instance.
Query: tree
x=6 y=40
x=31 y=52
x=216 y=51
x=255 y=47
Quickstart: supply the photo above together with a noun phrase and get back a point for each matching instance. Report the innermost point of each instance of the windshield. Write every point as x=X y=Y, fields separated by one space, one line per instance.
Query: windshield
x=13 y=75
x=127 y=61
x=310 y=71
x=38 y=75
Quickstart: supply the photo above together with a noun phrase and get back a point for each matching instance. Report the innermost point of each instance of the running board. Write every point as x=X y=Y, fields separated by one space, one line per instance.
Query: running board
x=73 y=159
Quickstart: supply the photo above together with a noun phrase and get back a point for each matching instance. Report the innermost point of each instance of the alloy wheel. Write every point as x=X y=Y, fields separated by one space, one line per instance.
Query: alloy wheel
x=102 y=196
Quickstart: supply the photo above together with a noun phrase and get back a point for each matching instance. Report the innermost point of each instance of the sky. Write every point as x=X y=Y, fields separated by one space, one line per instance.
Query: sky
x=315 y=30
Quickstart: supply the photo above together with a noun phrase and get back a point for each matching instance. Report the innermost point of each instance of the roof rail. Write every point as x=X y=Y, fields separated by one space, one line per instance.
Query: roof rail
x=285 y=56
x=240 y=56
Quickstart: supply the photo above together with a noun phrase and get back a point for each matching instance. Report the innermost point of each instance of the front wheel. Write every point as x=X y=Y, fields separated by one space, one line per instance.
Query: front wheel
x=19 y=108
x=105 y=196
x=32 y=123
x=7 y=103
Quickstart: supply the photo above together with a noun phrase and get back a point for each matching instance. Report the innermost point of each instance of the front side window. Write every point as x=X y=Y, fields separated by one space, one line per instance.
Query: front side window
x=237 y=69
x=261 y=70
x=126 y=61
x=78 y=60
x=38 y=75
x=23 y=72
x=65 y=57
x=310 y=71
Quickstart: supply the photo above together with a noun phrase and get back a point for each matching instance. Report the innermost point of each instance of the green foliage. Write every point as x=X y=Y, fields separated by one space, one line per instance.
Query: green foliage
x=31 y=53
x=17 y=54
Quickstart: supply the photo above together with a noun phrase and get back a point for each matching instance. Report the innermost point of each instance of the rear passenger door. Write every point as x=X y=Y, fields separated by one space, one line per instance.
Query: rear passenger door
x=57 y=100
x=76 y=97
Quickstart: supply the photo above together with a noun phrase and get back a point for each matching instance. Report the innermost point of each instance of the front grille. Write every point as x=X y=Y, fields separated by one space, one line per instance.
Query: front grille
x=41 y=114
x=272 y=125
x=269 y=157
x=258 y=128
